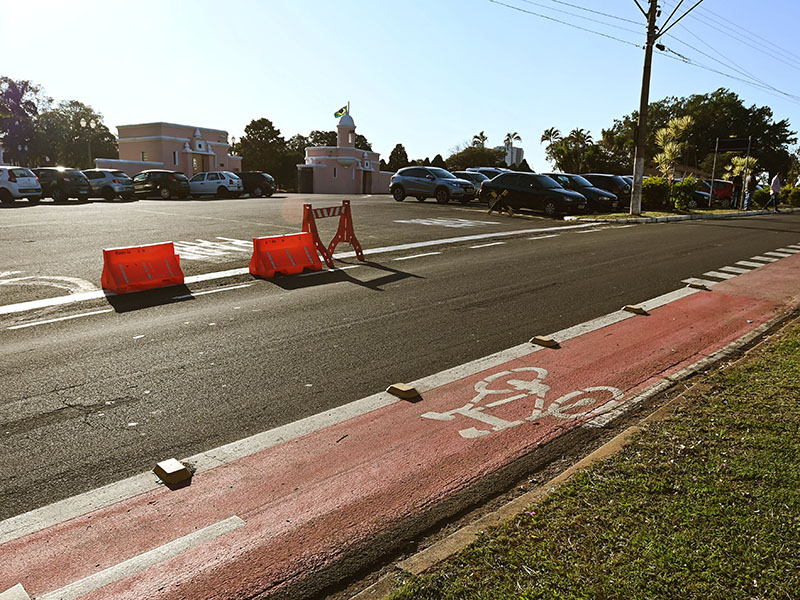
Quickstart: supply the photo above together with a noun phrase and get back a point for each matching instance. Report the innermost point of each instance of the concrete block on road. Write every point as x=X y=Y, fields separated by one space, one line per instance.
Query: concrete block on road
x=636 y=310
x=547 y=342
x=403 y=391
x=172 y=471
x=15 y=593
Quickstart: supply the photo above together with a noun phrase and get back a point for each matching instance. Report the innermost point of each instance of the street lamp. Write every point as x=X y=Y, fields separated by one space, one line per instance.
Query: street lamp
x=91 y=124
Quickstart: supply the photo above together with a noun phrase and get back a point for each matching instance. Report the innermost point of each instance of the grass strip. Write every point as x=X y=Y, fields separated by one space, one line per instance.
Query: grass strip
x=705 y=505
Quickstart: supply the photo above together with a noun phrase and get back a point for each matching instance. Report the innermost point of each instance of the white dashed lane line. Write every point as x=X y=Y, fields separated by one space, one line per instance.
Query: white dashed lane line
x=417 y=256
x=67 y=318
x=487 y=245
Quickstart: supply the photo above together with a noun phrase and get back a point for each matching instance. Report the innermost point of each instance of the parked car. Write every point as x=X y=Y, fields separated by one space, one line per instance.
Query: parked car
x=222 y=184
x=476 y=178
x=722 y=189
x=19 y=182
x=427 y=182
x=490 y=172
x=258 y=184
x=597 y=200
x=157 y=182
x=536 y=192
x=700 y=196
x=612 y=183
x=109 y=184
x=62 y=183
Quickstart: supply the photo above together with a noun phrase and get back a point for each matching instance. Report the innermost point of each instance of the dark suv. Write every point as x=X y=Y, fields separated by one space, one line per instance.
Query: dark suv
x=533 y=191
x=258 y=184
x=612 y=183
x=598 y=200
x=61 y=183
x=164 y=184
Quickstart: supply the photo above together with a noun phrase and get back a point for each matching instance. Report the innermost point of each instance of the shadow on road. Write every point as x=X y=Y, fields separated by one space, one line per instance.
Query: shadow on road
x=147 y=299
x=339 y=276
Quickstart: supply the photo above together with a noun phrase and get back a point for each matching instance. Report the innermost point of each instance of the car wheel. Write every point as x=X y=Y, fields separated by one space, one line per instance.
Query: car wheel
x=6 y=197
x=58 y=195
x=33 y=199
x=442 y=196
x=222 y=192
x=691 y=204
x=420 y=198
x=164 y=192
x=398 y=193
x=257 y=192
x=550 y=208
x=108 y=194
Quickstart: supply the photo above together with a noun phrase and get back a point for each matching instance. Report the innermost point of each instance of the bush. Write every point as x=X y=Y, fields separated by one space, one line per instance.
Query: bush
x=683 y=192
x=794 y=197
x=760 y=198
x=655 y=193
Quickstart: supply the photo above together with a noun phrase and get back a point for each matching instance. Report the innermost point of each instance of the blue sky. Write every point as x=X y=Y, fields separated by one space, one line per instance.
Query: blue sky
x=428 y=74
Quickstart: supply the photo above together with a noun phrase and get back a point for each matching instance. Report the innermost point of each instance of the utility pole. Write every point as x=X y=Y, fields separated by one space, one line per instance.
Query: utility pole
x=641 y=127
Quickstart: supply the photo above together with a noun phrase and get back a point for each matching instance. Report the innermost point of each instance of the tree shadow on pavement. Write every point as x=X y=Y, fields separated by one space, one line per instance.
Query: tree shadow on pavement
x=149 y=298
x=316 y=278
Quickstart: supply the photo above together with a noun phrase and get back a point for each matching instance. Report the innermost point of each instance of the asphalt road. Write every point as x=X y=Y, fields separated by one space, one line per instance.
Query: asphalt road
x=88 y=400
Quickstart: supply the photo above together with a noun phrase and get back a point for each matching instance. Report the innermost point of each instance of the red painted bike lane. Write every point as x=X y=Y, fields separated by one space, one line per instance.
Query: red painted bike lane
x=301 y=506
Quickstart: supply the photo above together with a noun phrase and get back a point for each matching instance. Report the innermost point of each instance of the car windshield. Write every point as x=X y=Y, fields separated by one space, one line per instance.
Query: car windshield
x=22 y=173
x=441 y=173
x=546 y=182
x=581 y=181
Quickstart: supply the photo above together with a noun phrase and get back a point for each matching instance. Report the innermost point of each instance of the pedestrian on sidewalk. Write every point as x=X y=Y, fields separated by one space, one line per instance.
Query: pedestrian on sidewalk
x=750 y=188
x=775 y=191
x=737 y=191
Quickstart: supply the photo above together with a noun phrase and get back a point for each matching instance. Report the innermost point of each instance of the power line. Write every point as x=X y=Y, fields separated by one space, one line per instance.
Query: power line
x=529 y=12
x=564 y=12
x=597 y=12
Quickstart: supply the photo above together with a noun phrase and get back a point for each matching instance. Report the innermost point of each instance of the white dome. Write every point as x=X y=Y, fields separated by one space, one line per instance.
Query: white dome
x=346 y=121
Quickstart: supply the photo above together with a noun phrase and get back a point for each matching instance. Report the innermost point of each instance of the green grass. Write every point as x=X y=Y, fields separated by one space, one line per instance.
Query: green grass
x=649 y=214
x=703 y=506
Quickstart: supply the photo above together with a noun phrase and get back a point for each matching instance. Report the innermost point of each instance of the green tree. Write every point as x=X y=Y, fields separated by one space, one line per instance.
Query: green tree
x=671 y=141
x=472 y=156
x=21 y=101
x=525 y=167
x=263 y=148
x=398 y=158
x=479 y=140
x=438 y=161
x=322 y=138
x=508 y=142
x=60 y=137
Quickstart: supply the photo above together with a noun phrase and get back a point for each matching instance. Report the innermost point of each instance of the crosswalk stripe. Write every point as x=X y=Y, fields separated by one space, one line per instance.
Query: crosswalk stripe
x=737 y=270
x=719 y=275
x=750 y=263
x=764 y=258
x=698 y=280
x=777 y=254
x=789 y=250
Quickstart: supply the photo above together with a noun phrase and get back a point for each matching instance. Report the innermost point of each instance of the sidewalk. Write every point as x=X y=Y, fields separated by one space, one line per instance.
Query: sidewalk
x=732 y=214
x=309 y=504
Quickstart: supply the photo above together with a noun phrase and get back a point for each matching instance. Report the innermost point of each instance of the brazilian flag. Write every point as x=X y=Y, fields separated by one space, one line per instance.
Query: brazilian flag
x=341 y=112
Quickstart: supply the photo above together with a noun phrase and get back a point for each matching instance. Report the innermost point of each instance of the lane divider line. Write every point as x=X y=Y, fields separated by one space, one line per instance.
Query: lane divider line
x=143 y=561
x=487 y=245
x=67 y=318
x=223 y=289
x=417 y=255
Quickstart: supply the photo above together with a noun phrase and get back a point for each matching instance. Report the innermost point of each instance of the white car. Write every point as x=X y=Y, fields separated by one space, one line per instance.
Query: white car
x=19 y=182
x=222 y=184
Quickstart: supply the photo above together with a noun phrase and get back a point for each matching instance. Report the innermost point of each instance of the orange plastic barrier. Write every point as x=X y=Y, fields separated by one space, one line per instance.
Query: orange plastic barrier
x=141 y=268
x=287 y=254
x=344 y=233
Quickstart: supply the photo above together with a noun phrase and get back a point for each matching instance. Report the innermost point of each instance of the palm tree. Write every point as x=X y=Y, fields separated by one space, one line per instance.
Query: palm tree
x=479 y=140
x=551 y=135
x=509 y=143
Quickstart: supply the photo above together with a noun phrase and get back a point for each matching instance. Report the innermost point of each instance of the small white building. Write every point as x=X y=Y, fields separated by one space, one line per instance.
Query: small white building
x=514 y=155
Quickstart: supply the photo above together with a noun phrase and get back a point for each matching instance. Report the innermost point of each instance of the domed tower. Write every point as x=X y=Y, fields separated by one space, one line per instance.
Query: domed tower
x=346 y=137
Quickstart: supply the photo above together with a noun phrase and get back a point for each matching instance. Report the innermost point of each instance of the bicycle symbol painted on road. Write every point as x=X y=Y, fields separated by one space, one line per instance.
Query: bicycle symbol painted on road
x=518 y=384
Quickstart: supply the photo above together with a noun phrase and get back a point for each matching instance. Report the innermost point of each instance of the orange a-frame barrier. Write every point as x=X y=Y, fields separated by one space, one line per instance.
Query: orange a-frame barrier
x=344 y=233
x=138 y=268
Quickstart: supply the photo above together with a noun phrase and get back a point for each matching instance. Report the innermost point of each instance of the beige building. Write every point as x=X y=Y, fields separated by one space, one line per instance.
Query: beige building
x=342 y=169
x=173 y=147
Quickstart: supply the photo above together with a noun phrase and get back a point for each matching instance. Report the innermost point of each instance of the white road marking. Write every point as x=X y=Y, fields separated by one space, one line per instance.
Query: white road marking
x=458 y=223
x=789 y=250
x=719 y=275
x=777 y=254
x=184 y=216
x=543 y=237
x=487 y=245
x=143 y=561
x=67 y=318
x=736 y=270
x=224 y=289
x=750 y=263
x=622 y=226
x=764 y=258
x=71 y=284
x=47 y=302
x=417 y=256
x=311 y=273
x=9 y=273
x=795 y=246
x=700 y=281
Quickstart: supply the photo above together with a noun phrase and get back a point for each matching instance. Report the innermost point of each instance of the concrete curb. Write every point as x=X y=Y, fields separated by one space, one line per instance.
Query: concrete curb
x=730 y=215
x=457 y=541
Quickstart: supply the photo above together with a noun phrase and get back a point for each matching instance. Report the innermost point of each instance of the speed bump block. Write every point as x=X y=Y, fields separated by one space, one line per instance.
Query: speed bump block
x=403 y=391
x=547 y=342
x=172 y=471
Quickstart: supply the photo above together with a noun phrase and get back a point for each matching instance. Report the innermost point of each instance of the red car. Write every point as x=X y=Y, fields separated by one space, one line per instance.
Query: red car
x=722 y=189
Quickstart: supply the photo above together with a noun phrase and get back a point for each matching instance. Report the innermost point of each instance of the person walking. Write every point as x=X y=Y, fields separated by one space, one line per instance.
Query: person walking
x=750 y=189
x=737 y=191
x=775 y=189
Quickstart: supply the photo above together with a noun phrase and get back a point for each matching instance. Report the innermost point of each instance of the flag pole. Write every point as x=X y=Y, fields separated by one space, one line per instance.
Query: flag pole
x=348 y=107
